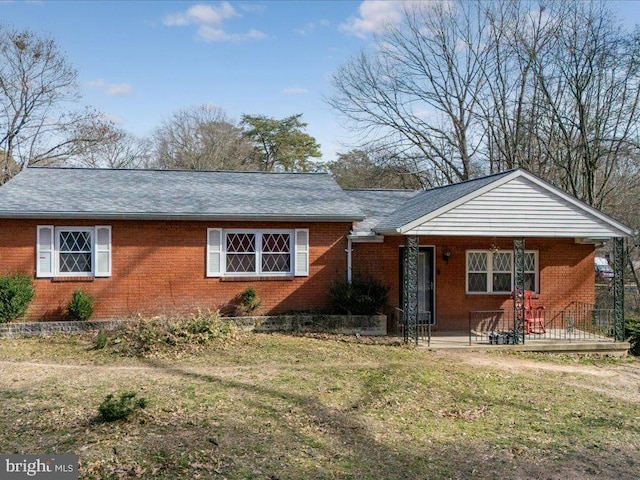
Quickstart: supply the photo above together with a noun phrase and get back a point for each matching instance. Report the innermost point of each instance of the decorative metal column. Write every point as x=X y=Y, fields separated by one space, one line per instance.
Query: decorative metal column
x=518 y=286
x=618 y=288
x=410 y=288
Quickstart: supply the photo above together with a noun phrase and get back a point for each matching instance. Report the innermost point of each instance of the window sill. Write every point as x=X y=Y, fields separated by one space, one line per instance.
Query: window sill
x=258 y=278
x=73 y=279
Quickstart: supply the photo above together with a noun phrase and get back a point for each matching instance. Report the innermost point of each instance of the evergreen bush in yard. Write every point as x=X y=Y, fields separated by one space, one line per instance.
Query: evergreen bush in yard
x=112 y=409
x=360 y=297
x=16 y=292
x=81 y=306
x=632 y=333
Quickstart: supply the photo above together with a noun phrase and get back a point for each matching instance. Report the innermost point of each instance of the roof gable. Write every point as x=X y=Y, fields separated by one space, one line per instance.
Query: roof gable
x=515 y=203
x=175 y=194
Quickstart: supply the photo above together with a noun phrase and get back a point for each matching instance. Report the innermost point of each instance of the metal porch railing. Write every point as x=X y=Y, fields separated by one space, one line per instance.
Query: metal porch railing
x=570 y=325
x=423 y=327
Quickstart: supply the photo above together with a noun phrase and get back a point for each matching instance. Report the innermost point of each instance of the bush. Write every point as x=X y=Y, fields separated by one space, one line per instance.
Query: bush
x=81 y=306
x=16 y=292
x=361 y=297
x=101 y=340
x=632 y=333
x=147 y=336
x=249 y=301
x=112 y=408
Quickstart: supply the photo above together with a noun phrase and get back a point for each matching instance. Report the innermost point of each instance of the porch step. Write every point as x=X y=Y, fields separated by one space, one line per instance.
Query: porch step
x=604 y=348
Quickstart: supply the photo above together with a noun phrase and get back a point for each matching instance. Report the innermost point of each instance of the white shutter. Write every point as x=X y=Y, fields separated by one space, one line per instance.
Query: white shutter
x=302 y=252
x=214 y=252
x=44 y=251
x=103 y=251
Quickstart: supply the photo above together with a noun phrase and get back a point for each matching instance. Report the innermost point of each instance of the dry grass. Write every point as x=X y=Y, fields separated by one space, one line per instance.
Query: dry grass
x=284 y=407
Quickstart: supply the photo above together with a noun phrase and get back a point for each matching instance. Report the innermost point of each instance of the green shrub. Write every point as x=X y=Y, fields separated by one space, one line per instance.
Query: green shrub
x=101 y=340
x=361 y=297
x=112 y=408
x=81 y=306
x=632 y=333
x=147 y=336
x=16 y=292
x=249 y=301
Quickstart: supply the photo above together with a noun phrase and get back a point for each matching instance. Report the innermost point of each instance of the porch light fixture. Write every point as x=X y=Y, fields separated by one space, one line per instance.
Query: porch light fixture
x=446 y=254
x=493 y=248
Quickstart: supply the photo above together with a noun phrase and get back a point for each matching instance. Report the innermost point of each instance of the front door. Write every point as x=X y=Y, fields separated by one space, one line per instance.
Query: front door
x=425 y=284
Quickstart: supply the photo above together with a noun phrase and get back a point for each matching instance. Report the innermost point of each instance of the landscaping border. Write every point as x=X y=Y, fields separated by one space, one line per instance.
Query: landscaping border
x=375 y=325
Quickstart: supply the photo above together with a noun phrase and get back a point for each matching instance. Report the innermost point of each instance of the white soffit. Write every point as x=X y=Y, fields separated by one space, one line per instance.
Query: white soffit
x=519 y=204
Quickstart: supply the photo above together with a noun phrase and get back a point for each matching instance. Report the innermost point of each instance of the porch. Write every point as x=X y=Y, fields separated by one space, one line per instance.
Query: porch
x=582 y=329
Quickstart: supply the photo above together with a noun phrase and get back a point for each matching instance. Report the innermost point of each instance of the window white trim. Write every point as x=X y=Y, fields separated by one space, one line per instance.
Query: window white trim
x=51 y=268
x=89 y=230
x=257 y=254
x=489 y=272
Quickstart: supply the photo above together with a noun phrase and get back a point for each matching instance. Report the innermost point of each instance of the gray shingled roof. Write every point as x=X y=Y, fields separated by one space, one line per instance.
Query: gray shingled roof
x=431 y=200
x=377 y=204
x=170 y=194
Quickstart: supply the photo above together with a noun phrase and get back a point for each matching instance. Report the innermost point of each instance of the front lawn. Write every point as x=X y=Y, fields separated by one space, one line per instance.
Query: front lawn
x=286 y=407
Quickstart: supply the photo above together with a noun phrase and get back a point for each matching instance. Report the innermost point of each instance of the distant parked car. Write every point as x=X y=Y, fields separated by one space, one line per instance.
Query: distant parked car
x=603 y=269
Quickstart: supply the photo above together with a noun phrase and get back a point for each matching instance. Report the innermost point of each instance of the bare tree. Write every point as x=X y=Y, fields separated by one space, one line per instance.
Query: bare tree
x=371 y=169
x=202 y=138
x=37 y=88
x=591 y=93
x=418 y=91
x=120 y=149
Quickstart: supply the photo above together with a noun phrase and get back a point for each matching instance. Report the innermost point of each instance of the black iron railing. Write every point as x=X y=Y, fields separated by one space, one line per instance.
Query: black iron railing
x=423 y=326
x=578 y=324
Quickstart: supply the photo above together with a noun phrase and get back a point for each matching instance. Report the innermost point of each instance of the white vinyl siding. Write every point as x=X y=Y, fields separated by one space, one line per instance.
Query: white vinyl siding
x=45 y=251
x=73 y=251
x=492 y=272
x=516 y=208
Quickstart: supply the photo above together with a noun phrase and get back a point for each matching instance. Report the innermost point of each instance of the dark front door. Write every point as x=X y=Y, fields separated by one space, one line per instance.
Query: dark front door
x=426 y=290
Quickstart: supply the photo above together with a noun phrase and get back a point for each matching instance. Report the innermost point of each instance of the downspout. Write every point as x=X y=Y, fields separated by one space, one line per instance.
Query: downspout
x=349 y=250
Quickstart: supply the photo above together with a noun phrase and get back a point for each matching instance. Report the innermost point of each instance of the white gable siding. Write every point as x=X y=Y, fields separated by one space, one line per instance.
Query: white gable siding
x=518 y=207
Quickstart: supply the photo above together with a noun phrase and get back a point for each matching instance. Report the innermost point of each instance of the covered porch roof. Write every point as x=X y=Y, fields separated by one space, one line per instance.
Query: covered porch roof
x=509 y=204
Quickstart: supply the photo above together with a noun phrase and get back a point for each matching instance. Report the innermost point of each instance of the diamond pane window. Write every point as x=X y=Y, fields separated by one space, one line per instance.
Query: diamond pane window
x=241 y=242
x=259 y=252
x=502 y=272
x=477 y=262
x=276 y=252
x=74 y=251
x=241 y=263
x=492 y=272
x=477 y=282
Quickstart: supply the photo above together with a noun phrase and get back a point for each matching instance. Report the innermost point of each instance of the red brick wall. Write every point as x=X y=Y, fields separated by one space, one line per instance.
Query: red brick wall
x=566 y=274
x=159 y=267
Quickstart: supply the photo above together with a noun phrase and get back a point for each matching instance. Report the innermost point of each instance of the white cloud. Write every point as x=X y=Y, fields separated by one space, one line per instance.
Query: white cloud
x=295 y=91
x=252 y=8
x=375 y=15
x=308 y=28
x=113 y=89
x=209 y=20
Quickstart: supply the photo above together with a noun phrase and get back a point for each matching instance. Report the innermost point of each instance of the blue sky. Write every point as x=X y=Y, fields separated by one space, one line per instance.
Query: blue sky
x=139 y=61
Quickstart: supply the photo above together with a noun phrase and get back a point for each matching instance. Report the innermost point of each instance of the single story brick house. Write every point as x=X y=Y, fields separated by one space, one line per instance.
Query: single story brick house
x=152 y=242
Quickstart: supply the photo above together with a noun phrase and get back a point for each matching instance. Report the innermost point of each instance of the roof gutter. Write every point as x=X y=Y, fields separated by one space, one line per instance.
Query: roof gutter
x=180 y=216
